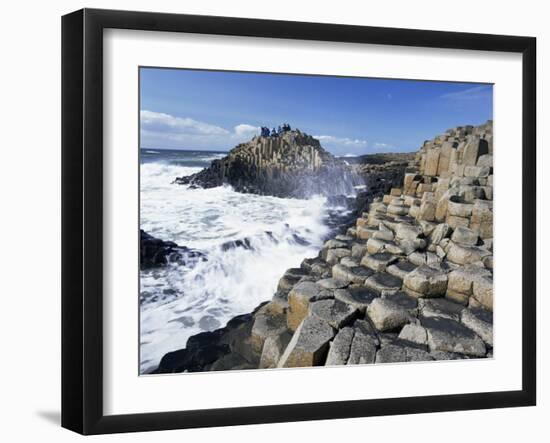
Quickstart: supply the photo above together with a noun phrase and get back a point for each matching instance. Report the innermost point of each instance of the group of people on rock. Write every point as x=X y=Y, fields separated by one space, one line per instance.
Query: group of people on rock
x=275 y=132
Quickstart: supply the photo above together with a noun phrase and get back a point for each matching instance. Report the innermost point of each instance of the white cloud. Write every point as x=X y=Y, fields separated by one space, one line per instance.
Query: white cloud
x=383 y=146
x=161 y=130
x=246 y=130
x=475 y=93
x=157 y=121
x=341 y=141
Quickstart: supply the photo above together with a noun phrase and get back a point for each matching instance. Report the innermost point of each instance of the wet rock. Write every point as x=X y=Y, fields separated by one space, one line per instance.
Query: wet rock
x=155 y=252
x=309 y=344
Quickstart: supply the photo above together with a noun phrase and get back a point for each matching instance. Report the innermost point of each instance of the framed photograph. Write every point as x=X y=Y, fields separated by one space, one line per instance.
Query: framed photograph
x=268 y=221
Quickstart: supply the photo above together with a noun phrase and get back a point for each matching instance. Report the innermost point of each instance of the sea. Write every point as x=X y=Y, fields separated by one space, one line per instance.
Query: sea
x=268 y=234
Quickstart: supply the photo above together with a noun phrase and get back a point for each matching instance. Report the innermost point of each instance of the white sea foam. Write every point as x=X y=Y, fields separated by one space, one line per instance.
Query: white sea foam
x=177 y=302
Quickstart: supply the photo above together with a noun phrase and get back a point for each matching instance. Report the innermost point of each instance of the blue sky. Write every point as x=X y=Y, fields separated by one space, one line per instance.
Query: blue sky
x=214 y=110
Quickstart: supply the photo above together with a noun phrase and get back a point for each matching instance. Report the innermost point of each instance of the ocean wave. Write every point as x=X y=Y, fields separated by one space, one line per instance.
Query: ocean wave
x=250 y=240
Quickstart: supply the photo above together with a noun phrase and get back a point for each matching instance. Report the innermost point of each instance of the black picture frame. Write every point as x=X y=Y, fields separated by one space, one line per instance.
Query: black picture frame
x=82 y=218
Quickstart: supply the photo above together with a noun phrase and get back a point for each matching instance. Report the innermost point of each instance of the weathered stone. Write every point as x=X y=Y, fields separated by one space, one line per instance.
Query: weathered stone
x=266 y=325
x=384 y=283
x=427 y=227
x=432 y=161
x=358 y=250
x=459 y=209
x=410 y=304
x=465 y=236
x=316 y=266
x=332 y=283
x=461 y=280
x=427 y=211
x=454 y=221
x=425 y=281
x=273 y=349
x=335 y=312
x=309 y=344
x=440 y=307
x=417 y=258
x=401 y=268
x=483 y=291
x=470 y=193
x=475 y=148
x=405 y=231
x=357 y=296
x=485 y=160
x=278 y=304
x=477 y=171
x=396 y=353
x=363 y=345
x=290 y=278
x=375 y=245
x=463 y=255
x=378 y=262
x=298 y=299
x=333 y=256
x=450 y=336
x=365 y=233
x=340 y=347
x=333 y=244
x=357 y=274
x=398 y=210
x=480 y=321
x=440 y=232
x=349 y=262
x=383 y=234
x=414 y=333
x=482 y=218
x=387 y=315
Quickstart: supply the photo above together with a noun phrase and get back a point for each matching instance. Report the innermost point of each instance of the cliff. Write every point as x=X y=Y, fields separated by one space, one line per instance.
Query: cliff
x=292 y=164
x=411 y=280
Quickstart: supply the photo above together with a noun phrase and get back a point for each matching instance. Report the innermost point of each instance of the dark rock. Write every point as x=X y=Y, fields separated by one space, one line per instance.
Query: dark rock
x=292 y=164
x=156 y=252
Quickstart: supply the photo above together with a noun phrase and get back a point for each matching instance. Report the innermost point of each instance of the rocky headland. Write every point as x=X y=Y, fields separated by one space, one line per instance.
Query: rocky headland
x=290 y=164
x=410 y=280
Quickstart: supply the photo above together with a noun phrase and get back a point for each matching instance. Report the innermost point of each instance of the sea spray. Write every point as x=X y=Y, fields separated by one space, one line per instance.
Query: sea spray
x=178 y=301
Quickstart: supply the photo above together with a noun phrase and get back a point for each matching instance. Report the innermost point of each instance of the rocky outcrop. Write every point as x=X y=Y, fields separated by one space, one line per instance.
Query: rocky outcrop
x=411 y=280
x=291 y=164
x=156 y=252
